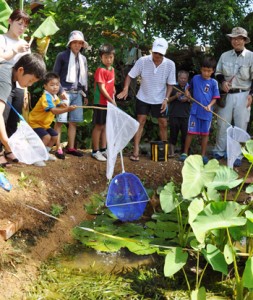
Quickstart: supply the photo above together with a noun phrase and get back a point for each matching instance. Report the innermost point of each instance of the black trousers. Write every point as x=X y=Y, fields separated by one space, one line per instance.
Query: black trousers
x=178 y=125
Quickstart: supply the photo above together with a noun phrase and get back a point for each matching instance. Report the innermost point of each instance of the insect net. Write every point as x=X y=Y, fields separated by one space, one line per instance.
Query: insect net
x=126 y=197
x=235 y=136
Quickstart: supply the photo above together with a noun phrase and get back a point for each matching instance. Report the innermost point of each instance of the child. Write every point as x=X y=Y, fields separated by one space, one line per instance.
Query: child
x=72 y=68
x=104 y=91
x=205 y=91
x=26 y=71
x=179 y=110
x=42 y=115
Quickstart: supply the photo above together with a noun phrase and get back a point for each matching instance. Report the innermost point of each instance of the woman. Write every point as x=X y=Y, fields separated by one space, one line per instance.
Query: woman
x=12 y=47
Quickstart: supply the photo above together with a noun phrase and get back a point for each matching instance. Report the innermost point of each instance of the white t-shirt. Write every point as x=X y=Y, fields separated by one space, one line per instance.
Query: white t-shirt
x=154 y=79
x=6 y=43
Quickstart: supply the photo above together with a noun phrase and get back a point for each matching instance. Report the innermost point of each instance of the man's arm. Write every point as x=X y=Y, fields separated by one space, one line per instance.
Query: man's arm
x=167 y=96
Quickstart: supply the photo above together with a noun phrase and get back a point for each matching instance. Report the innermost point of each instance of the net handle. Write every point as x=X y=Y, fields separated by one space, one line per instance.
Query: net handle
x=21 y=117
x=194 y=100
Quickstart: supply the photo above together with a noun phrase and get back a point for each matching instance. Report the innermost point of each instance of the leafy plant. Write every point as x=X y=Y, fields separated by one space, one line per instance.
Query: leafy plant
x=56 y=210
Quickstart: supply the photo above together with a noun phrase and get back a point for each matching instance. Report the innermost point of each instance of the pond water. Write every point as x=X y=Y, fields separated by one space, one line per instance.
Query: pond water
x=107 y=262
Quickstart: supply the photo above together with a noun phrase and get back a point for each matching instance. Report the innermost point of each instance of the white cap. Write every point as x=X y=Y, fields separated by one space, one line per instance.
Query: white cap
x=160 y=45
x=77 y=35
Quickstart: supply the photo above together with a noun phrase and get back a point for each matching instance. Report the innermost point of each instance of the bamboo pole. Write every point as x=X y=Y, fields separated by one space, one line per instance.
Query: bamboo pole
x=194 y=100
x=94 y=107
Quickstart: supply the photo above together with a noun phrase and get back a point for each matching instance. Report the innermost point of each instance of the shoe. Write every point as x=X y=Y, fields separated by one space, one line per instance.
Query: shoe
x=51 y=157
x=238 y=162
x=104 y=153
x=39 y=164
x=217 y=156
x=5 y=164
x=4 y=183
x=74 y=152
x=183 y=157
x=59 y=154
x=14 y=160
x=205 y=160
x=98 y=156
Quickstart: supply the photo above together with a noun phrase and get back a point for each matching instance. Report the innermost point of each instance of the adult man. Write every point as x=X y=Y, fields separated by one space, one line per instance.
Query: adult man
x=179 y=110
x=157 y=80
x=234 y=72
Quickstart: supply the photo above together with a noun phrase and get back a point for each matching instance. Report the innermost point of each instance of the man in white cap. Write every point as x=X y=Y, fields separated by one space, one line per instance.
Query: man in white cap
x=234 y=72
x=157 y=79
x=72 y=68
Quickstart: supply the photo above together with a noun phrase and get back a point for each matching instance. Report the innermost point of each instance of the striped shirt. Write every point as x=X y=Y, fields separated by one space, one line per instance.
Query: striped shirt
x=154 y=79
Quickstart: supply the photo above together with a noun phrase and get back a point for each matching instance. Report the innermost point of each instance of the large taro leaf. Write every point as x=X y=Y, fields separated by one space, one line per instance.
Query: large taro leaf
x=168 y=198
x=47 y=28
x=225 y=179
x=217 y=215
x=247 y=151
x=196 y=175
x=174 y=261
x=215 y=258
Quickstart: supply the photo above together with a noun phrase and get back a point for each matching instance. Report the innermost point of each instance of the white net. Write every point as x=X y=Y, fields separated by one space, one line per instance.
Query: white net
x=120 y=128
x=235 y=136
x=26 y=145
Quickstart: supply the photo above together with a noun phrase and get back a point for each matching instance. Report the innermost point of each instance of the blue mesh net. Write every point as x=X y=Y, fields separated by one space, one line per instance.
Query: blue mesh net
x=126 y=197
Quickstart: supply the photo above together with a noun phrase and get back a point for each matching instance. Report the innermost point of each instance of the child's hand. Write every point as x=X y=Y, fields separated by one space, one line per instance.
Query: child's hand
x=208 y=108
x=63 y=105
x=85 y=101
x=71 y=107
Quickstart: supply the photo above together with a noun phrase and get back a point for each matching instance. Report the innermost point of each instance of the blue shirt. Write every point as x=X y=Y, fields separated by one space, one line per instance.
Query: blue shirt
x=204 y=90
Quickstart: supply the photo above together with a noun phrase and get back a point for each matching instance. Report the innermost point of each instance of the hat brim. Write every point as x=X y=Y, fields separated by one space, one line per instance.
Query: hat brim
x=159 y=50
x=230 y=35
x=85 y=44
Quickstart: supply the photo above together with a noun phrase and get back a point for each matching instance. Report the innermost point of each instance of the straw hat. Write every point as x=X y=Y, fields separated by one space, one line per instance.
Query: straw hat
x=239 y=31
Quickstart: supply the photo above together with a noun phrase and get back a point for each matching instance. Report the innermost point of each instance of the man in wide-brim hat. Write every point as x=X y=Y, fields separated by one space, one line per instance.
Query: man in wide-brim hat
x=234 y=72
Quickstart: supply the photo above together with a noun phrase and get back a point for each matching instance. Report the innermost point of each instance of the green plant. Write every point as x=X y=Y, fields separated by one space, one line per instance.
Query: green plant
x=56 y=210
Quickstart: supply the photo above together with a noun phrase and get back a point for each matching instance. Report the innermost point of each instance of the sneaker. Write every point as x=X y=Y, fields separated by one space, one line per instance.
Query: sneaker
x=51 y=157
x=104 y=153
x=98 y=156
x=238 y=162
x=183 y=157
x=74 y=152
x=205 y=160
x=59 y=154
x=39 y=164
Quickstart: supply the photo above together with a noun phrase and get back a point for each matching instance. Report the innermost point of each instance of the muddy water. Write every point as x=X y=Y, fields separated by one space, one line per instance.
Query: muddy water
x=107 y=262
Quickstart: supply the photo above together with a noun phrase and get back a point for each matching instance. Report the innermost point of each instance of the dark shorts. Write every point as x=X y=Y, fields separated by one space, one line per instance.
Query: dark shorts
x=42 y=132
x=198 y=126
x=143 y=108
x=99 y=116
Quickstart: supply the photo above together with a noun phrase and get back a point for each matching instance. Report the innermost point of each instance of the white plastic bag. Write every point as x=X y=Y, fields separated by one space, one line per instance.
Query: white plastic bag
x=26 y=145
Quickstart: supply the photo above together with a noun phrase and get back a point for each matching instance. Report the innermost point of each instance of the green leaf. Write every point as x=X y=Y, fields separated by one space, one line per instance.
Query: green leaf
x=247 y=276
x=196 y=206
x=247 y=151
x=249 y=189
x=168 y=198
x=249 y=215
x=174 y=261
x=87 y=115
x=217 y=215
x=225 y=178
x=228 y=254
x=198 y=294
x=47 y=28
x=5 y=12
x=215 y=258
x=196 y=175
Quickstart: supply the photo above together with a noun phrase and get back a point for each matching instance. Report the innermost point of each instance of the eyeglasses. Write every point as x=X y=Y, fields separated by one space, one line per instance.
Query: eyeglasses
x=157 y=53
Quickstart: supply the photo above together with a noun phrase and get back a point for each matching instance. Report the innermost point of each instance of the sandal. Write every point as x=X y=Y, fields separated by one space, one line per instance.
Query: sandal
x=4 y=164
x=14 y=160
x=134 y=157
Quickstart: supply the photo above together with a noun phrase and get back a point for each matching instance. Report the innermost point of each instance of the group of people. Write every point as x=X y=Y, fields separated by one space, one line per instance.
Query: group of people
x=234 y=74
x=66 y=91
